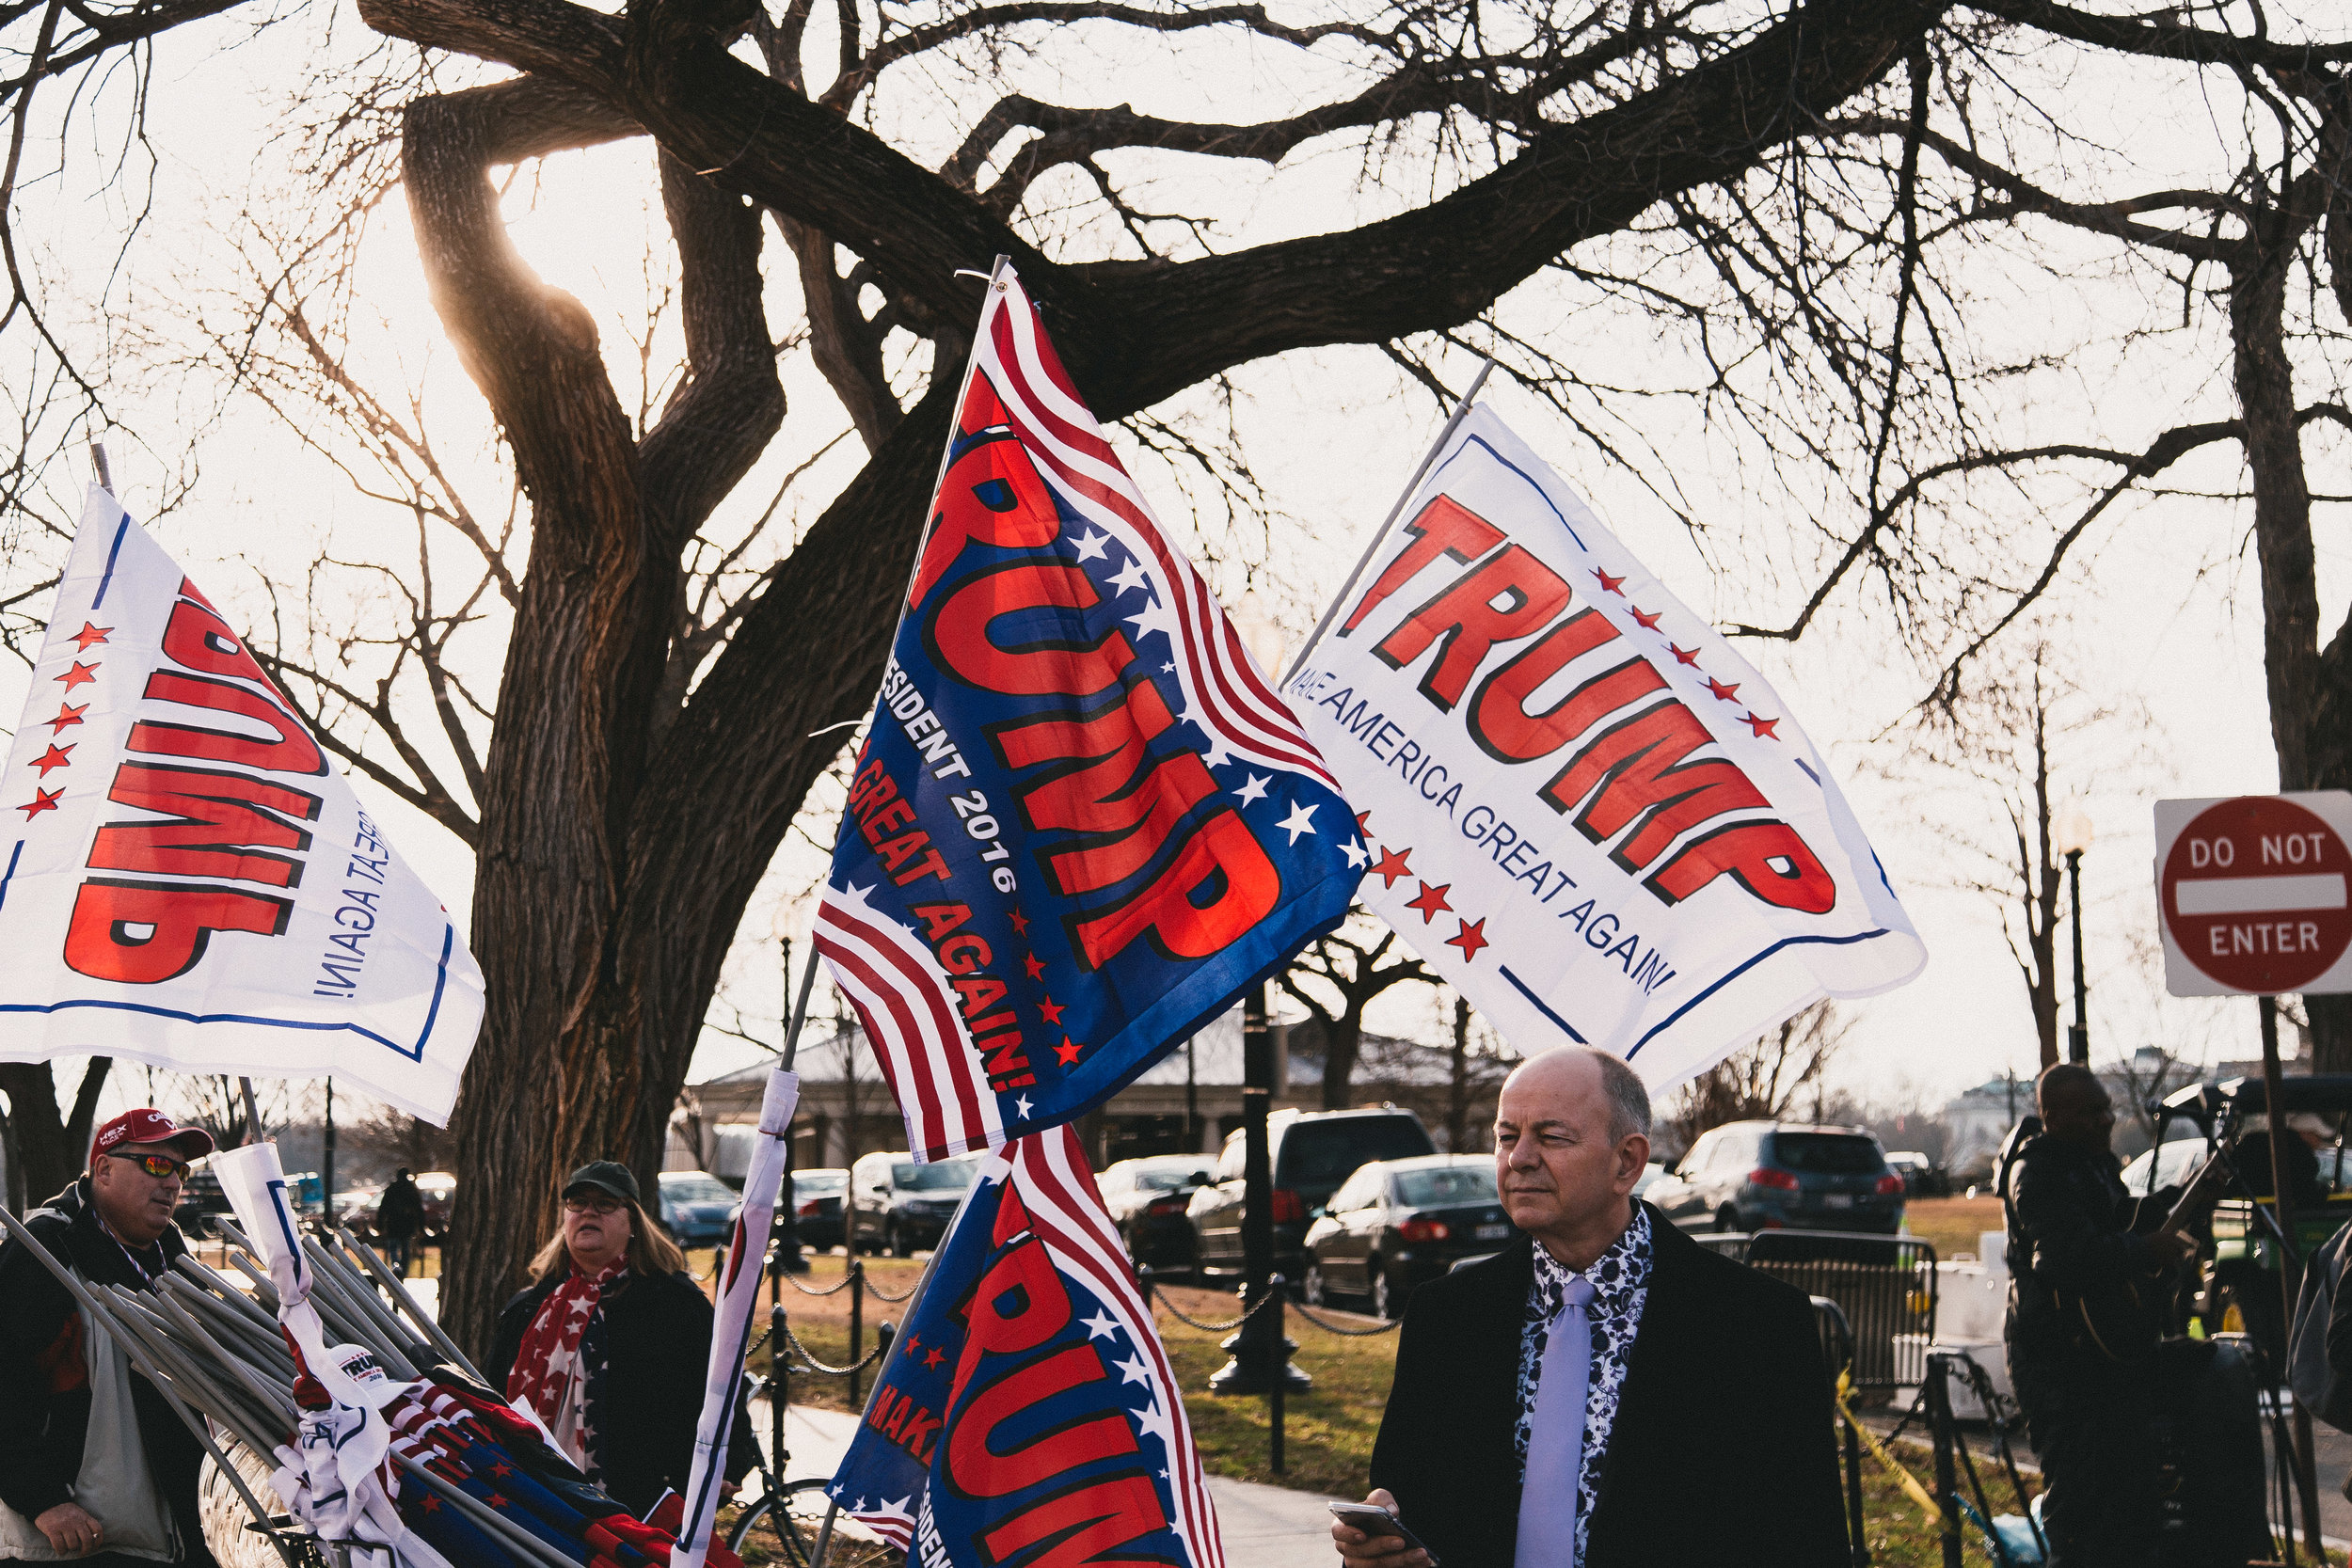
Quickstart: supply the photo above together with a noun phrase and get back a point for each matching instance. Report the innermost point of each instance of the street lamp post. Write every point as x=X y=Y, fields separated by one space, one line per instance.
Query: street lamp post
x=2071 y=835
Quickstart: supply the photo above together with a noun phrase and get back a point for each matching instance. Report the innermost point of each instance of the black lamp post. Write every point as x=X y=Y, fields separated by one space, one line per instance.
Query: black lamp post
x=2072 y=835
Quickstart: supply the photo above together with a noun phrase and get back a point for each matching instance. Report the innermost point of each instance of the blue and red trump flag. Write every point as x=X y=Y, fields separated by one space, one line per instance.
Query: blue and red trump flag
x=1029 y=1404
x=1082 y=821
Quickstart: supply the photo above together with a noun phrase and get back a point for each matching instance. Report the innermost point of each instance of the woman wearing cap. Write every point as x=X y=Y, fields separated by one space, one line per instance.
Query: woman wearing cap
x=611 y=1343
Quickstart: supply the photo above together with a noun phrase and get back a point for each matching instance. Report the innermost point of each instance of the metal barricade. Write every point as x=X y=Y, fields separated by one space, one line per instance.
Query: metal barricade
x=1884 y=1285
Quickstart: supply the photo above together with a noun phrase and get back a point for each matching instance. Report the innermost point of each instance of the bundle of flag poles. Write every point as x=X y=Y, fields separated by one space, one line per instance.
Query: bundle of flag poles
x=457 y=1477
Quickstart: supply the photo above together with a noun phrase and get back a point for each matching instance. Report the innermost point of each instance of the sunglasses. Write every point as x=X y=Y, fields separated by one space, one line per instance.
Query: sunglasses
x=591 y=1204
x=160 y=1167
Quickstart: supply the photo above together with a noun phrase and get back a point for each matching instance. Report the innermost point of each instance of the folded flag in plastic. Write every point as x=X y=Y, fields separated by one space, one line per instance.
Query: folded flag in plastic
x=1591 y=816
x=1027 y=1413
x=185 y=880
x=1082 y=821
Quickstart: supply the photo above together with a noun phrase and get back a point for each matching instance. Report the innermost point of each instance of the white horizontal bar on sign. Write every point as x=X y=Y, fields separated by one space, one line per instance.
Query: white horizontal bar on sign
x=2258 y=895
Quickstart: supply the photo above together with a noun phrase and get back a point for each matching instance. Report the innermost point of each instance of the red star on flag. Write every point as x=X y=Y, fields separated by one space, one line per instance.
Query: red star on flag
x=68 y=714
x=90 y=634
x=1687 y=655
x=54 y=758
x=1067 y=1052
x=1649 y=623
x=502 y=1470
x=1034 y=965
x=1609 y=584
x=1728 y=693
x=915 y=1343
x=1050 y=1010
x=81 y=674
x=1391 y=865
x=430 y=1503
x=1020 y=922
x=43 y=799
x=1363 y=818
x=1762 y=728
x=935 y=1358
x=1432 y=901
x=495 y=1500
x=1471 y=938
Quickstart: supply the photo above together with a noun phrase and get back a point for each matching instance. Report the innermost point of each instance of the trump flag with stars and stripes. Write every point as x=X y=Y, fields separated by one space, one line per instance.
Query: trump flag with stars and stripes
x=1029 y=1403
x=1081 y=821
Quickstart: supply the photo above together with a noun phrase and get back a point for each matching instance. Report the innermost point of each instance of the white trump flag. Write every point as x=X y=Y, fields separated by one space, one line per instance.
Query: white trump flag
x=185 y=879
x=1589 y=814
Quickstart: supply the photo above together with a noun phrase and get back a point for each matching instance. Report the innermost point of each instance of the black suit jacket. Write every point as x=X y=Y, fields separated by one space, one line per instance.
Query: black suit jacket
x=1722 y=1450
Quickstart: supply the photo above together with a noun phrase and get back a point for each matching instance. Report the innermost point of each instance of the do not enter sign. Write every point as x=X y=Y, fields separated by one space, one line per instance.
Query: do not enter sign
x=2256 y=894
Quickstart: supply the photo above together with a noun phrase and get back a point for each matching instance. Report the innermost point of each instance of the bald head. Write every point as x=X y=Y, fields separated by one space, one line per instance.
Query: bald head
x=1571 y=1137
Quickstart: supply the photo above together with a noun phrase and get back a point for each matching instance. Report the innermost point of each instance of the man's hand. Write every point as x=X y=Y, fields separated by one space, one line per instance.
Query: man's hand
x=1359 y=1550
x=70 y=1530
x=2168 y=1247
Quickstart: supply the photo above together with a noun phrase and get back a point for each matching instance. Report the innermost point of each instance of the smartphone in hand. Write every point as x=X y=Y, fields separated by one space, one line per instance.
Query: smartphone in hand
x=1376 y=1521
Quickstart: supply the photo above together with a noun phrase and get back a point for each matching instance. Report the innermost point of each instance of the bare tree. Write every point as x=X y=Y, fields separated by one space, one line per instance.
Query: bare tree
x=1759 y=1082
x=46 y=1148
x=1346 y=973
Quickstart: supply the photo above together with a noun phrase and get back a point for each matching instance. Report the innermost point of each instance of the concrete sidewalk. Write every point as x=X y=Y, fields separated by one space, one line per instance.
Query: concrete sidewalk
x=1264 y=1526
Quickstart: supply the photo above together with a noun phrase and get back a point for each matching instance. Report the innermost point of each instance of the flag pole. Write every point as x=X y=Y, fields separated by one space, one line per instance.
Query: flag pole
x=799 y=1007
x=97 y=461
x=947 y=448
x=1461 y=410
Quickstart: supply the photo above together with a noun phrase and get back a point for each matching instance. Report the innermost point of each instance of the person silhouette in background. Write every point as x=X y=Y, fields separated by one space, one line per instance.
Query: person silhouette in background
x=399 y=1216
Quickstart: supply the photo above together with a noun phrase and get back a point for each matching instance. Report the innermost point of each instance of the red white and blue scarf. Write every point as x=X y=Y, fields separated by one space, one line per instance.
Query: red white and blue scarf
x=559 y=1370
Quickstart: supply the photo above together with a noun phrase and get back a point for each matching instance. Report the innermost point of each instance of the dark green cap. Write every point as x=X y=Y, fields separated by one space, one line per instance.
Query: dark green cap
x=606 y=1175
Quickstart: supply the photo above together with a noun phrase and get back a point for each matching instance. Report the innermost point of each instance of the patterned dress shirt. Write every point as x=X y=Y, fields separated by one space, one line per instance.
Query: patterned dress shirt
x=1620 y=1280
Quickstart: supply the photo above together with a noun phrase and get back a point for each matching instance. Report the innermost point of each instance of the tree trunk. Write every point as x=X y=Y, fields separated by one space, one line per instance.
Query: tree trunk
x=1342 y=1039
x=2308 y=702
x=46 y=1151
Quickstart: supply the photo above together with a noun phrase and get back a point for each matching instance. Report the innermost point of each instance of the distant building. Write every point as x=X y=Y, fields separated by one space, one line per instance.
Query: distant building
x=1979 y=1120
x=841 y=1118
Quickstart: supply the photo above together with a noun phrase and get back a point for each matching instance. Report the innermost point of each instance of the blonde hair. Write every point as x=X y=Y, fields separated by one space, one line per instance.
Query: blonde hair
x=650 y=1250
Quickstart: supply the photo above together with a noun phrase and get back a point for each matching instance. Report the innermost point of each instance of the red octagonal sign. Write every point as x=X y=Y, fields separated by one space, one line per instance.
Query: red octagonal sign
x=2254 y=894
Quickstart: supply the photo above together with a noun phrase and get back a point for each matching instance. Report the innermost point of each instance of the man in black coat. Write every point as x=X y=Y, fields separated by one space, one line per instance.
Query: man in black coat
x=1706 y=1425
x=2074 y=1264
x=84 y=1472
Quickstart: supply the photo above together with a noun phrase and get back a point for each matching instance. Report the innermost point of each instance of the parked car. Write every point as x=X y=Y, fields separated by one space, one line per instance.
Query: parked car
x=1311 y=1153
x=1650 y=1173
x=1922 y=1177
x=1396 y=1224
x=1146 y=1200
x=1762 y=1175
x=817 y=1205
x=439 y=1189
x=697 y=1209
x=900 y=1204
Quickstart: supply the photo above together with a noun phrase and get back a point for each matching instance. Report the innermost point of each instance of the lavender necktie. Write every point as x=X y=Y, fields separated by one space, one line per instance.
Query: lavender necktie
x=1555 y=1441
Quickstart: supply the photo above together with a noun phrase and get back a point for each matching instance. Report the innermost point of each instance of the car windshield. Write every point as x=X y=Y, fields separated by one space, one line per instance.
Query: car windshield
x=1325 y=1153
x=818 y=1186
x=1170 y=1181
x=1826 y=1153
x=942 y=1175
x=696 y=1189
x=1418 y=1189
x=2175 y=1162
x=438 y=1183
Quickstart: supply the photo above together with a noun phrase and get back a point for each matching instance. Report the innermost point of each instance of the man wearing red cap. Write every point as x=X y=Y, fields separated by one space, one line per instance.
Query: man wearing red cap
x=94 y=1466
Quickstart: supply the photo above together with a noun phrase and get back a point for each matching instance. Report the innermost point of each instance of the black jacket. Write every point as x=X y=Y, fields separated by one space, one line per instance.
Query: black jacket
x=2069 y=1237
x=657 y=1337
x=1722 y=1449
x=401 y=1210
x=45 y=1380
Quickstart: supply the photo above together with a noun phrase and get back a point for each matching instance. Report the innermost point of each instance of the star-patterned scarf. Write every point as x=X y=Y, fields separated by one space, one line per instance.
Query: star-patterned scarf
x=1620 y=1280
x=561 y=1363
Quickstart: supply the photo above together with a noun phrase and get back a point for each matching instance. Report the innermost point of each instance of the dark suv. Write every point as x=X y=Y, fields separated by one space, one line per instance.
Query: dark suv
x=1764 y=1176
x=1311 y=1153
x=900 y=1205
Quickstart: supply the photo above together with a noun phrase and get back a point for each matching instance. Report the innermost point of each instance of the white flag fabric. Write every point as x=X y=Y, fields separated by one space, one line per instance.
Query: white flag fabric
x=730 y=1335
x=1585 y=809
x=185 y=880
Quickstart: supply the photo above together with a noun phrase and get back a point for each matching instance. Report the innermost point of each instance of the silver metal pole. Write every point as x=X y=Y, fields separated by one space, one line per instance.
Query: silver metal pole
x=800 y=1007
x=97 y=461
x=1461 y=410
x=417 y=1314
x=252 y=1116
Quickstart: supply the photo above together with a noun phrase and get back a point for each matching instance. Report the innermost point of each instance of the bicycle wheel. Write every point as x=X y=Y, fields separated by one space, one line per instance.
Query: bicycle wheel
x=765 y=1535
